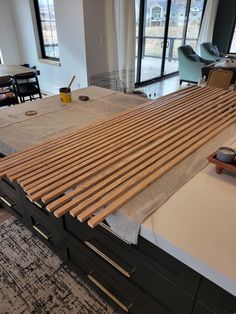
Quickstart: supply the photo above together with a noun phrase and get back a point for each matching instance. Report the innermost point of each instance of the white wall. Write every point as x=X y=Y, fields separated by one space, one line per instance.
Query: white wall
x=95 y=37
x=70 y=28
x=8 y=38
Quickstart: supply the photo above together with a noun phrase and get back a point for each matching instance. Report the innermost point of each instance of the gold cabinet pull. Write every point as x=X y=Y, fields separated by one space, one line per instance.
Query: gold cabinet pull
x=108 y=259
x=41 y=232
x=109 y=294
x=6 y=201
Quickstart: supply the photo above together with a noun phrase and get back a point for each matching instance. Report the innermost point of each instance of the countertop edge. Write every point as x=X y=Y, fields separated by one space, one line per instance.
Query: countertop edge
x=189 y=260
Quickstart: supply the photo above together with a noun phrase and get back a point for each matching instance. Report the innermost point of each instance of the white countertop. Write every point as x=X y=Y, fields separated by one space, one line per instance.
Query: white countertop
x=197 y=226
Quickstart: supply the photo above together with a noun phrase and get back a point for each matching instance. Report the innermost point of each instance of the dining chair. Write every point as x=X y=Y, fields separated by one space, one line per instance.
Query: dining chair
x=219 y=78
x=8 y=95
x=27 y=86
x=27 y=65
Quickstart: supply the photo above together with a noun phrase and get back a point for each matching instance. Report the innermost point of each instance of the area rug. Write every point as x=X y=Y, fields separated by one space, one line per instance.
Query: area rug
x=34 y=280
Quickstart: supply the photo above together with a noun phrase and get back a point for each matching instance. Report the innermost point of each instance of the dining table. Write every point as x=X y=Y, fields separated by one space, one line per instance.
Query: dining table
x=13 y=69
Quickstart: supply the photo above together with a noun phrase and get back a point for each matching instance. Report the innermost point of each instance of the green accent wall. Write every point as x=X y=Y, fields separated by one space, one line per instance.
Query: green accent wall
x=224 y=24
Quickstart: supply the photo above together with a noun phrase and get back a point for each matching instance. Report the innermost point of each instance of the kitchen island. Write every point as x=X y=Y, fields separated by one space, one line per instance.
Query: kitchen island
x=180 y=246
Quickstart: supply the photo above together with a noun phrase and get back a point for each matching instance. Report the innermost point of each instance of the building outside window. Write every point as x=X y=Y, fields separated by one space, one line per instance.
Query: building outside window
x=45 y=15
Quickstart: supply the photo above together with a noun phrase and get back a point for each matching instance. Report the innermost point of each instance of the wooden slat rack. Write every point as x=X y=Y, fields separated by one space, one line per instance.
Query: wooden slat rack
x=94 y=171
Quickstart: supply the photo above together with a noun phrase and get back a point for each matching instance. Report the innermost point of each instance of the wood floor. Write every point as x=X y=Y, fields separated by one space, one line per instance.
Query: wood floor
x=152 y=91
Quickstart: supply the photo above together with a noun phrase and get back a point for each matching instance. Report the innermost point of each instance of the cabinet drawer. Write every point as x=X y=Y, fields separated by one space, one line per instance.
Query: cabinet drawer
x=9 y=188
x=7 y=184
x=39 y=211
x=217 y=299
x=148 y=266
x=129 y=297
x=10 y=204
x=201 y=309
x=169 y=266
x=46 y=232
x=79 y=231
x=139 y=272
x=37 y=207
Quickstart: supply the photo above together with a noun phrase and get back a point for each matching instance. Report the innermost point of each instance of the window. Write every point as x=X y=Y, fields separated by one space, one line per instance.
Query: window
x=46 y=21
x=233 y=40
x=161 y=27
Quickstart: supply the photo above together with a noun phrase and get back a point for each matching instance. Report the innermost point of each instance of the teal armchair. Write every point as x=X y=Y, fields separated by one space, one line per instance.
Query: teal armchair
x=190 y=65
x=210 y=52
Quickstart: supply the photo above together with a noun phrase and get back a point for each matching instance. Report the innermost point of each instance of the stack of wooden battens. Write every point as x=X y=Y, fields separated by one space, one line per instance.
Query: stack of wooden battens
x=94 y=171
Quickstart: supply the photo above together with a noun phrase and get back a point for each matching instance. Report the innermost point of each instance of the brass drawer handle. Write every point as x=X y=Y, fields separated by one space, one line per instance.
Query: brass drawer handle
x=41 y=233
x=106 y=258
x=109 y=294
x=6 y=201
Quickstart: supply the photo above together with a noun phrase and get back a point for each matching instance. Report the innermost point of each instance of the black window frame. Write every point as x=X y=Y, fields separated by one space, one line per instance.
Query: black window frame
x=142 y=16
x=40 y=34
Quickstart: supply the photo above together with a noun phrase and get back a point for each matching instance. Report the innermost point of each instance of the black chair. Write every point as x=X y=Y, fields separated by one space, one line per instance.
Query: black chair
x=27 y=86
x=27 y=65
x=8 y=95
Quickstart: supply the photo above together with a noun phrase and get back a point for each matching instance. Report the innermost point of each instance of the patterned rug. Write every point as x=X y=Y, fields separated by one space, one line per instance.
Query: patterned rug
x=34 y=280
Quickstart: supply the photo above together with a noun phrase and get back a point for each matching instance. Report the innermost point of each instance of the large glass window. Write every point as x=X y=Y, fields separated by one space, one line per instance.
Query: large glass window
x=46 y=21
x=165 y=25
